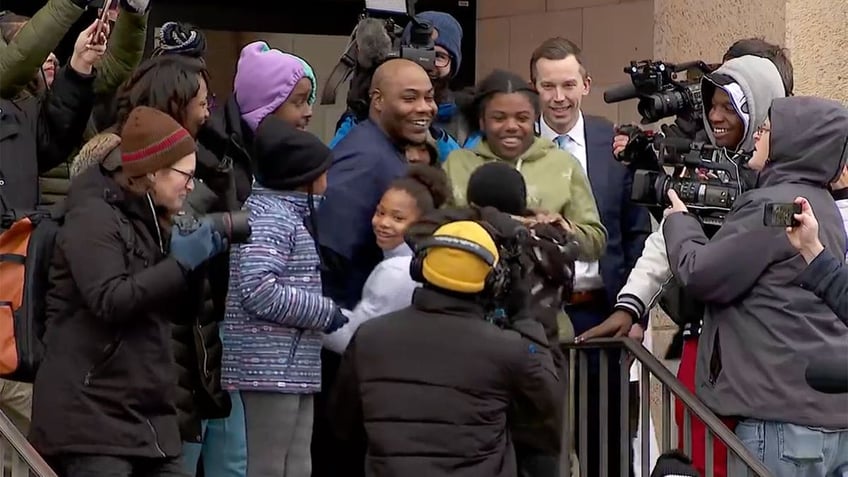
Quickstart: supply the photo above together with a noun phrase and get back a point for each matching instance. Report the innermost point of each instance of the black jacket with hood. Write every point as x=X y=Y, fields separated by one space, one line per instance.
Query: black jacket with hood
x=760 y=328
x=227 y=140
x=443 y=413
x=106 y=385
x=36 y=134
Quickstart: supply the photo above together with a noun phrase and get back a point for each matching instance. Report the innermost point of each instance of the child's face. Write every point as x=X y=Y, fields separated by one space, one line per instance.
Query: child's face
x=296 y=110
x=395 y=212
x=418 y=154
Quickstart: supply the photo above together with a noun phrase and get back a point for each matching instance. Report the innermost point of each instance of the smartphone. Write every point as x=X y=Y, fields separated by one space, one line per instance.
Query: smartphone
x=103 y=19
x=778 y=214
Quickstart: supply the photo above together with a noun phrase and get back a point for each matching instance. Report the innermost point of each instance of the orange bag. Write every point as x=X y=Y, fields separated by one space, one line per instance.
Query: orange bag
x=26 y=249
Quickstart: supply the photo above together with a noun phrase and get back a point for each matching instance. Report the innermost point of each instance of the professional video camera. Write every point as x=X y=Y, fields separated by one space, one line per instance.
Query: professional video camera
x=706 y=178
x=661 y=91
x=375 y=39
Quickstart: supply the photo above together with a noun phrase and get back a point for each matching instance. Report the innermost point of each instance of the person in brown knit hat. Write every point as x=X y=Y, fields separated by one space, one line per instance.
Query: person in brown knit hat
x=122 y=275
x=158 y=156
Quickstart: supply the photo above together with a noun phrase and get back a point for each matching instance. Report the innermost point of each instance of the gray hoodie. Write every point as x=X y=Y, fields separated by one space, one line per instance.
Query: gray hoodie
x=760 y=329
x=760 y=82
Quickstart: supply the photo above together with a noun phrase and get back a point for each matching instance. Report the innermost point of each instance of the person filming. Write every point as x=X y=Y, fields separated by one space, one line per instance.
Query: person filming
x=825 y=275
x=439 y=406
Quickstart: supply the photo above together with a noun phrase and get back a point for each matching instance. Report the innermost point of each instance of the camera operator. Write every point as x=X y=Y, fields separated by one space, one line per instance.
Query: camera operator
x=745 y=47
x=547 y=255
x=103 y=397
x=743 y=275
x=736 y=100
x=439 y=405
x=826 y=275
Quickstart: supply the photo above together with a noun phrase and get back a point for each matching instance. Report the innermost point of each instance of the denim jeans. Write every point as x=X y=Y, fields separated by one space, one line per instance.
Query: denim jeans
x=789 y=450
x=224 y=446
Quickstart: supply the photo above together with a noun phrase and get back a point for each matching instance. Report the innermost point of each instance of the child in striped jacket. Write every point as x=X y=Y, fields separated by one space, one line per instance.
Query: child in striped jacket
x=276 y=314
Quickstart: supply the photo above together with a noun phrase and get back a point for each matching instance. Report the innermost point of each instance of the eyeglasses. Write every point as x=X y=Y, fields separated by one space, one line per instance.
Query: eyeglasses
x=442 y=60
x=189 y=176
x=763 y=129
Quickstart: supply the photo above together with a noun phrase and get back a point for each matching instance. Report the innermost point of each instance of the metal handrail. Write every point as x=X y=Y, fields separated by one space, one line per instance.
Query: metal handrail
x=705 y=414
x=24 y=449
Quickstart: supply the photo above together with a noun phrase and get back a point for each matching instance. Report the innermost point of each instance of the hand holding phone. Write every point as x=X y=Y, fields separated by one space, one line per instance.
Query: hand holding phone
x=777 y=214
x=101 y=33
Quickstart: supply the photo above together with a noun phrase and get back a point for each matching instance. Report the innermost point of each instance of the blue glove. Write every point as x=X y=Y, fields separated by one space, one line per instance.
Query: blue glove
x=193 y=247
x=337 y=321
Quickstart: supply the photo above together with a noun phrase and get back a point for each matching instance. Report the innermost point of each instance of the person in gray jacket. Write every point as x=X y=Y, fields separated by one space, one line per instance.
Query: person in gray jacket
x=760 y=329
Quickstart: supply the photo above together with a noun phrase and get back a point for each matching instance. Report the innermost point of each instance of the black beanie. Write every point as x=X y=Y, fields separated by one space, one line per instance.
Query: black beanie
x=498 y=185
x=674 y=464
x=287 y=158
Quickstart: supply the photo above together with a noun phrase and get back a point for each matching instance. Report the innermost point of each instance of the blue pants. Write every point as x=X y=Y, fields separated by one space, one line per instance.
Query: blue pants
x=224 y=446
x=789 y=450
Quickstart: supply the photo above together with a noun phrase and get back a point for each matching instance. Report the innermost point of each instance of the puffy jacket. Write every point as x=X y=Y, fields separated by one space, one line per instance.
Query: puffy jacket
x=106 y=385
x=38 y=133
x=444 y=413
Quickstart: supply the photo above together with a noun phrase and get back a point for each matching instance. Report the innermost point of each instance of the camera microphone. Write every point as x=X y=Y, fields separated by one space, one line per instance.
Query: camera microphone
x=620 y=93
x=828 y=376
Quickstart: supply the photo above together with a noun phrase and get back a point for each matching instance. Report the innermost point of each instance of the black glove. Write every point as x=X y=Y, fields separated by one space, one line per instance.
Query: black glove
x=192 y=247
x=337 y=321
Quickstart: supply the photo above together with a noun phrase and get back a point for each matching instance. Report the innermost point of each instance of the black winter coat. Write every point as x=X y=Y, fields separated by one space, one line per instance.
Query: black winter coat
x=106 y=385
x=37 y=134
x=226 y=139
x=433 y=385
x=196 y=339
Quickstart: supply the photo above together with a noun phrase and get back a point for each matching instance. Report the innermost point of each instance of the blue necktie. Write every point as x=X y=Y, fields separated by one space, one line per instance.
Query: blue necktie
x=565 y=143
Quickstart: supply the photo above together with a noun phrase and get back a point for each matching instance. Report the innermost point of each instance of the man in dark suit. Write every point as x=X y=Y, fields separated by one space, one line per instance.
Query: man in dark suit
x=558 y=74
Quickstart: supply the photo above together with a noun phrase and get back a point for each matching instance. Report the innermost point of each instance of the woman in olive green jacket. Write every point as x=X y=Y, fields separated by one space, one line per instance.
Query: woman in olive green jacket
x=23 y=53
x=507 y=108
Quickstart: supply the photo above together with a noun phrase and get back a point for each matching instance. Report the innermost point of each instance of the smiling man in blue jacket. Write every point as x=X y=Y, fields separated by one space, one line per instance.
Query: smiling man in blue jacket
x=365 y=162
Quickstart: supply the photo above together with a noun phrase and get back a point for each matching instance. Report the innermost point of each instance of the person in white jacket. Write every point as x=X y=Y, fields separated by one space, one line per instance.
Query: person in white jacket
x=389 y=287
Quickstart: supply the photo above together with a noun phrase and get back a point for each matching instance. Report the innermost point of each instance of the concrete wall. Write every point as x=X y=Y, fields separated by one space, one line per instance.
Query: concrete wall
x=610 y=32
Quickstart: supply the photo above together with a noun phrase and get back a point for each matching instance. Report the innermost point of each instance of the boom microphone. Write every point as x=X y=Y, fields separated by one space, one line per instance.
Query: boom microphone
x=373 y=44
x=828 y=376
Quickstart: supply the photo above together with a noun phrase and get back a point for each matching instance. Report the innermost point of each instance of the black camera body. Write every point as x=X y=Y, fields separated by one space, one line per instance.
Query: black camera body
x=378 y=37
x=233 y=226
x=706 y=178
x=660 y=90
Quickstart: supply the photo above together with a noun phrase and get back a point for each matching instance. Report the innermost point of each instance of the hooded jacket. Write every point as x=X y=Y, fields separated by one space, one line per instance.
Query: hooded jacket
x=761 y=83
x=106 y=384
x=555 y=183
x=761 y=329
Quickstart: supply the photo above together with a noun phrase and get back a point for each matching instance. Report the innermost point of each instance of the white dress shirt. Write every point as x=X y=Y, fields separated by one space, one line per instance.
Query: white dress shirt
x=587 y=275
